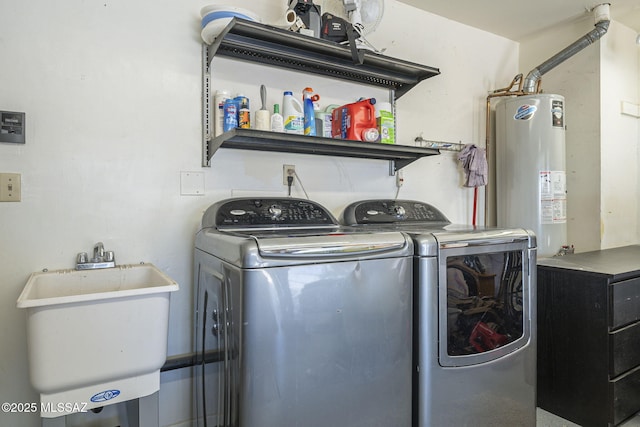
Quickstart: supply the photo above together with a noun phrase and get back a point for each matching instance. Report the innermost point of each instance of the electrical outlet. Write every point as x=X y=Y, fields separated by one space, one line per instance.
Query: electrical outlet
x=287 y=171
x=399 y=178
x=10 y=190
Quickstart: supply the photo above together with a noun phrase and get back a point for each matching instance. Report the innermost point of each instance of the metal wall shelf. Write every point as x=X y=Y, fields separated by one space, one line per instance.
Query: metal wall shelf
x=252 y=139
x=255 y=42
x=267 y=45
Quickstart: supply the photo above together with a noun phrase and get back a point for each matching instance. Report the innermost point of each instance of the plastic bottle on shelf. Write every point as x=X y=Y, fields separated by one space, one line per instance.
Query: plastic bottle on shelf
x=308 y=99
x=230 y=115
x=277 y=122
x=244 y=115
x=218 y=110
x=323 y=121
x=353 y=121
x=293 y=114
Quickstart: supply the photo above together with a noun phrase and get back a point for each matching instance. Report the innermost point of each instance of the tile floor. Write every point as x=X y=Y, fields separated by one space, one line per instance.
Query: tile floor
x=547 y=419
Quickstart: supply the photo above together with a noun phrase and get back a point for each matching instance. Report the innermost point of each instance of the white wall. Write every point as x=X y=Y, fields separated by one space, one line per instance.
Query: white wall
x=619 y=137
x=638 y=123
x=112 y=96
x=601 y=156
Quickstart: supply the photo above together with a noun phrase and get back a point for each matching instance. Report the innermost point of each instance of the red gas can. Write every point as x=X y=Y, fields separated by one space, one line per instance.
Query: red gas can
x=354 y=121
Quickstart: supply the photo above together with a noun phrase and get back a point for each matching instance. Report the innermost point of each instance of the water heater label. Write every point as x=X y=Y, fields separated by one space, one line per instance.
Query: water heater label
x=553 y=197
x=525 y=112
x=557 y=113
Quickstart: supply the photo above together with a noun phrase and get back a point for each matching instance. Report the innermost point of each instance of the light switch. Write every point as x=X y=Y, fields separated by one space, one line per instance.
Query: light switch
x=10 y=189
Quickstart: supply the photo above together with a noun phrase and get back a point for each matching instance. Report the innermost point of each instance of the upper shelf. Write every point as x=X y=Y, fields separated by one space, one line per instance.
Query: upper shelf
x=255 y=42
x=252 y=139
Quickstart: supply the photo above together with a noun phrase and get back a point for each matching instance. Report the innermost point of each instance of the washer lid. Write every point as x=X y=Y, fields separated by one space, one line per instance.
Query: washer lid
x=259 y=248
x=331 y=245
x=264 y=232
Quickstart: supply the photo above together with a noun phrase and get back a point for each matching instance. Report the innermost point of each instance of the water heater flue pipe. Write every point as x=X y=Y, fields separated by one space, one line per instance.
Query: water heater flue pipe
x=601 y=14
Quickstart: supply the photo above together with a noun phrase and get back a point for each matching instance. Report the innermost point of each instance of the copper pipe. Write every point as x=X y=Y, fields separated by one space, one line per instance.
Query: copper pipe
x=516 y=79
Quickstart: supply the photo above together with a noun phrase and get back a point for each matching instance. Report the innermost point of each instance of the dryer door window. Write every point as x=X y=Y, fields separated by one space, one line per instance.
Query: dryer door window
x=483 y=306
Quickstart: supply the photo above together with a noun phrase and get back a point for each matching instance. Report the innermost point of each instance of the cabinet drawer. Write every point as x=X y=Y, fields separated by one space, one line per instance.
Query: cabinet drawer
x=625 y=299
x=625 y=349
x=626 y=396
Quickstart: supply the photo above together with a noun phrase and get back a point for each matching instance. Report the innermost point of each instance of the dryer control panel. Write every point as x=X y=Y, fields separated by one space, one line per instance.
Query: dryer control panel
x=392 y=212
x=266 y=213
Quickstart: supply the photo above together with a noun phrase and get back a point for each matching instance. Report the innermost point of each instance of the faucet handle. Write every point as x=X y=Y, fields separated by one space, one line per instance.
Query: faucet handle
x=109 y=256
x=82 y=258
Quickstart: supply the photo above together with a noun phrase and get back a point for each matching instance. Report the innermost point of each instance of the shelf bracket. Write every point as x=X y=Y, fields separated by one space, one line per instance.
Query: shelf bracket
x=206 y=108
x=396 y=164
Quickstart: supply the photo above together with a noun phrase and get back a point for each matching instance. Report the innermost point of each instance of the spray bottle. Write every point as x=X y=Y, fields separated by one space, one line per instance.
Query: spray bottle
x=308 y=98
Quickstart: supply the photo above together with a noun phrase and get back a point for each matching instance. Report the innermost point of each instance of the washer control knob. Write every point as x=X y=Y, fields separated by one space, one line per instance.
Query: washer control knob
x=399 y=211
x=275 y=211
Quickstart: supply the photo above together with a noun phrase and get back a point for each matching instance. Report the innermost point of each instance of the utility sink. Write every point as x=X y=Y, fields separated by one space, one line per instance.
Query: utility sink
x=96 y=337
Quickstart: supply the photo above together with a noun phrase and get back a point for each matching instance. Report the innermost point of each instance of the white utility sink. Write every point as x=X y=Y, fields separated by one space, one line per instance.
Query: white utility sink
x=96 y=337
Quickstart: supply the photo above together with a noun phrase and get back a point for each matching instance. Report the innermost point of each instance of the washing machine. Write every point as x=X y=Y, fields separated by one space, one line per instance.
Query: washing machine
x=474 y=307
x=299 y=321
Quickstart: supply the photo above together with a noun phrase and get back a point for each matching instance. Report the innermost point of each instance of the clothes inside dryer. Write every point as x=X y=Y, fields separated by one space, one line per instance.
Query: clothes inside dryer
x=484 y=302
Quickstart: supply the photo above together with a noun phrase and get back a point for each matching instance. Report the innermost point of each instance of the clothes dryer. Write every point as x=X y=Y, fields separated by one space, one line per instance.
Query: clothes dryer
x=474 y=313
x=300 y=322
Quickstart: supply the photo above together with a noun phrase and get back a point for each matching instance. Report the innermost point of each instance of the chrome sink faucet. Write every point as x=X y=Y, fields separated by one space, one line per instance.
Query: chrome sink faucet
x=101 y=259
x=98 y=252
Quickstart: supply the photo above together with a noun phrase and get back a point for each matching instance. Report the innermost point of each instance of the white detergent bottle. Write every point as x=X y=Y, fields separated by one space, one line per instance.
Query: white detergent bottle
x=293 y=114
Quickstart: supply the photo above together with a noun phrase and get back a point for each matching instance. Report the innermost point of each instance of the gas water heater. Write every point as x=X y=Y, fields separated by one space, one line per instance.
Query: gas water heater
x=531 y=189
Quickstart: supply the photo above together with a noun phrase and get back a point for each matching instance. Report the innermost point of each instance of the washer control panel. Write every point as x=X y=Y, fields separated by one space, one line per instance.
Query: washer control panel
x=266 y=213
x=392 y=212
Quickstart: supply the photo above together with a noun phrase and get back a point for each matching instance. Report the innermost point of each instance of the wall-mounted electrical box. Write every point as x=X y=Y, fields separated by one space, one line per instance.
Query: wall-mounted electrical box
x=12 y=127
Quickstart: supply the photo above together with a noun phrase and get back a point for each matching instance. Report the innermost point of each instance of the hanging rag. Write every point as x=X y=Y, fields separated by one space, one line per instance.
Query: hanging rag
x=474 y=162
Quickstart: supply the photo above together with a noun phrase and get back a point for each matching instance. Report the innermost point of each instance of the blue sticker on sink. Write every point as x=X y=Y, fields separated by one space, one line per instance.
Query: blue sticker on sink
x=103 y=396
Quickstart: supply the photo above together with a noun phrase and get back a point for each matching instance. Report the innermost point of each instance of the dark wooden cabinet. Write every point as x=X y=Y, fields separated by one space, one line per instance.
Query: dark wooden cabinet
x=589 y=336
